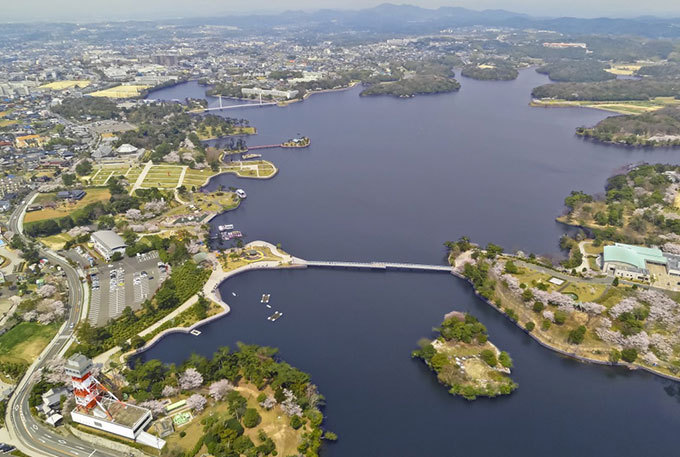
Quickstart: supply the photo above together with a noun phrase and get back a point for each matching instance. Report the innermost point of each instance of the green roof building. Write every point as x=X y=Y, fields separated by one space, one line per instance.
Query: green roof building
x=630 y=261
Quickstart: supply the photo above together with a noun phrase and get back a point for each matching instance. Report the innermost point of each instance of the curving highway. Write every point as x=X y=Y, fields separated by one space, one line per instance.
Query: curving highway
x=30 y=435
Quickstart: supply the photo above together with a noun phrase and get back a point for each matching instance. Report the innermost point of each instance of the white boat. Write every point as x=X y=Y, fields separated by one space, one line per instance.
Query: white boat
x=241 y=193
x=222 y=228
x=233 y=293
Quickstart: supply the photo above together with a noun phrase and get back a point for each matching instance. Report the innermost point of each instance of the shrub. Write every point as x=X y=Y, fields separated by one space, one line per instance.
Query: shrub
x=296 y=422
x=560 y=317
x=629 y=355
x=489 y=357
x=505 y=360
x=251 y=418
x=545 y=325
x=615 y=356
x=538 y=306
x=530 y=326
x=182 y=434
x=576 y=336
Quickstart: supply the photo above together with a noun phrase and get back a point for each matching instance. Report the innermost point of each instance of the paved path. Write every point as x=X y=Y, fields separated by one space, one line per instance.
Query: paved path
x=141 y=177
x=180 y=181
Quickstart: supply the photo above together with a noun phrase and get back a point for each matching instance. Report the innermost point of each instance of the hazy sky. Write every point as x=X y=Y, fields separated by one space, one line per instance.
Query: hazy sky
x=84 y=10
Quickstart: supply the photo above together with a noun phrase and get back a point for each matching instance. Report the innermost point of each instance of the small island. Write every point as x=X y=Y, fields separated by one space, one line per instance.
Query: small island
x=301 y=142
x=416 y=85
x=465 y=360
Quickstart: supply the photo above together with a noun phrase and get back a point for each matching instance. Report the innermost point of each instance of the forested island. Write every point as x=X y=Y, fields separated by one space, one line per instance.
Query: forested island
x=657 y=129
x=576 y=71
x=416 y=85
x=465 y=360
x=491 y=71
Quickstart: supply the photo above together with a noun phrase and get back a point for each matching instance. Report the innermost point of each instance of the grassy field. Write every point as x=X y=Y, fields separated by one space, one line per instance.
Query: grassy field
x=64 y=209
x=252 y=169
x=621 y=107
x=163 y=176
x=197 y=177
x=26 y=341
x=120 y=92
x=56 y=242
x=101 y=174
x=66 y=84
x=274 y=423
x=584 y=292
x=209 y=135
x=623 y=70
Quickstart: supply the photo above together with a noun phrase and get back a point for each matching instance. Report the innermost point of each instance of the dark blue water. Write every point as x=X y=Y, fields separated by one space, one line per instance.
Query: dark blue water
x=392 y=179
x=389 y=179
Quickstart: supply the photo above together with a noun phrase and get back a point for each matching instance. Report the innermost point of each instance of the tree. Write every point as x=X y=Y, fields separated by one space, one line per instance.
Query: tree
x=615 y=282
x=116 y=257
x=489 y=357
x=251 y=418
x=629 y=355
x=560 y=317
x=190 y=379
x=511 y=268
x=296 y=422
x=68 y=179
x=196 y=402
x=576 y=336
x=84 y=168
x=530 y=326
x=505 y=360
x=219 y=389
x=137 y=342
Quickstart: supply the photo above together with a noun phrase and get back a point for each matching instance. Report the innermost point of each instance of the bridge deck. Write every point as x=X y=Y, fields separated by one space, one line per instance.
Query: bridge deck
x=380 y=266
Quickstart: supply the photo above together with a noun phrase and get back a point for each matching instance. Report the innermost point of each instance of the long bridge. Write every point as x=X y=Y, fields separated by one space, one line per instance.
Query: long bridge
x=380 y=266
x=245 y=105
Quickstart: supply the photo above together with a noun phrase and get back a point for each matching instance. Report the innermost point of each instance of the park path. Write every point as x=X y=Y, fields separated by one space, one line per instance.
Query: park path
x=180 y=181
x=141 y=177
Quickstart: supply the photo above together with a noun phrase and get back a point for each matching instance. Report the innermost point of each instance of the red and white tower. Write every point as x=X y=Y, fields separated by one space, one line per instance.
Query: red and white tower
x=88 y=391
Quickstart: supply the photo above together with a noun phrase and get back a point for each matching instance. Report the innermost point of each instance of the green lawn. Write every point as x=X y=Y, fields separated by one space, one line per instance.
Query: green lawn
x=26 y=341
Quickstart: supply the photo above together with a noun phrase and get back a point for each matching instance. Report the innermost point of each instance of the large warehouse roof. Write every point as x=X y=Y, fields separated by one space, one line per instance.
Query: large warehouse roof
x=110 y=239
x=636 y=256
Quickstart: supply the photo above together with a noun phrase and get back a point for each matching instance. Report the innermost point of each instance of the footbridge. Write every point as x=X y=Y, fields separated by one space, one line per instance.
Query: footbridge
x=380 y=266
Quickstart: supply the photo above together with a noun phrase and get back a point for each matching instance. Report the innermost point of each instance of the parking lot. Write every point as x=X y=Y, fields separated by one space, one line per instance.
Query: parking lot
x=128 y=282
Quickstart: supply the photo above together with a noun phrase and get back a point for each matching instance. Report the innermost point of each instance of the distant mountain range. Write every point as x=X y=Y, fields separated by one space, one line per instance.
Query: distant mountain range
x=380 y=22
x=390 y=18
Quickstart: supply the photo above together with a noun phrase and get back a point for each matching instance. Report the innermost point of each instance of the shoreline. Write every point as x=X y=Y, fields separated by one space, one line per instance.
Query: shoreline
x=211 y=292
x=213 y=284
x=572 y=355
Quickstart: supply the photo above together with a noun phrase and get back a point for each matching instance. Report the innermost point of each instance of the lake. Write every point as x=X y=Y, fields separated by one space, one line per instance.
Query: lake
x=392 y=179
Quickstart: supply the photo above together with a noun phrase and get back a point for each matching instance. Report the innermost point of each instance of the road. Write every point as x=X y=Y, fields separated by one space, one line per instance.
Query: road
x=31 y=436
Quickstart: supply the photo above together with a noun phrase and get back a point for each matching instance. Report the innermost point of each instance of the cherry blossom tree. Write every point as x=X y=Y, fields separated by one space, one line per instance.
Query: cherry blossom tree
x=626 y=305
x=268 y=403
x=156 y=407
x=46 y=291
x=133 y=214
x=219 y=389
x=169 y=391
x=190 y=379
x=289 y=405
x=197 y=402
